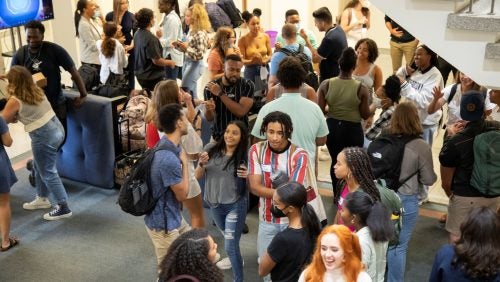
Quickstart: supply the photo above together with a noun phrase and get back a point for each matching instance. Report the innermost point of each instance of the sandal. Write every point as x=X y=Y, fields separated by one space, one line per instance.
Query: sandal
x=12 y=243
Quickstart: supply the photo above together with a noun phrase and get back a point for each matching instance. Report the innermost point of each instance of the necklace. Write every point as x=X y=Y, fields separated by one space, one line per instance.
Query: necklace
x=35 y=62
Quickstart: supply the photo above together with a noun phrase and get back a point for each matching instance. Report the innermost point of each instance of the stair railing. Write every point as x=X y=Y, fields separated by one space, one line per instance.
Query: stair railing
x=492 y=10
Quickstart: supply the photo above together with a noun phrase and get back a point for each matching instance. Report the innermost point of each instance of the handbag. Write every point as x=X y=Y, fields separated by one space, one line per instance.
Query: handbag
x=116 y=85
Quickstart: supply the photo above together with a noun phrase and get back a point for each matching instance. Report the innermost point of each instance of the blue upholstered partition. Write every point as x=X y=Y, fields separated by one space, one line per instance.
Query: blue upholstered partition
x=88 y=155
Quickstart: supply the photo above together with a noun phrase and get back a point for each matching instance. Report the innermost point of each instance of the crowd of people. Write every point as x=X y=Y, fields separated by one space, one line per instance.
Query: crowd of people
x=273 y=161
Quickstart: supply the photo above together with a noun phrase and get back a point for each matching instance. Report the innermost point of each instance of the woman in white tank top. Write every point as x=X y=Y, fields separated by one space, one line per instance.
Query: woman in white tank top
x=29 y=105
x=366 y=71
x=355 y=21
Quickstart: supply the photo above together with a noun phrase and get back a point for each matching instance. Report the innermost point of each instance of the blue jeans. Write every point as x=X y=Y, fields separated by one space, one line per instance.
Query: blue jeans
x=231 y=218
x=252 y=72
x=45 y=142
x=191 y=72
x=396 y=255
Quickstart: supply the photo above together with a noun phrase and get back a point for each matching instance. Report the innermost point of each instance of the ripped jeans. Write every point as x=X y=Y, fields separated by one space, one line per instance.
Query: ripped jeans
x=230 y=218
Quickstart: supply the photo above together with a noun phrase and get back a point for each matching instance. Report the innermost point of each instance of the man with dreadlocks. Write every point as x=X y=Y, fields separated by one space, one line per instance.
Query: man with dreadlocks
x=271 y=163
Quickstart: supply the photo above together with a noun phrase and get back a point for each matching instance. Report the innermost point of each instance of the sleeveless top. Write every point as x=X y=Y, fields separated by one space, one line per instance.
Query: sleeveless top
x=357 y=33
x=367 y=79
x=280 y=90
x=342 y=99
x=34 y=116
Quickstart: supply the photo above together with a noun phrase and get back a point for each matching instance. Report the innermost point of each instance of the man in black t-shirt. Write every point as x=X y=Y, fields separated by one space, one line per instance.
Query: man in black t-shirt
x=228 y=98
x=45 y=57
x=457 y=162
x=331 y=47
x=149 y=64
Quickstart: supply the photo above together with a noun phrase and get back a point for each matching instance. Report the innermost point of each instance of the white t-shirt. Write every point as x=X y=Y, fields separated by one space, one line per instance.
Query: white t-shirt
x=337 y=276
x=454 y=105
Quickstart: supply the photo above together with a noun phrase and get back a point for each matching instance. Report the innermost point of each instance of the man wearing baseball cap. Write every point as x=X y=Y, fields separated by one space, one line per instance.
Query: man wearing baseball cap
x=457 y=160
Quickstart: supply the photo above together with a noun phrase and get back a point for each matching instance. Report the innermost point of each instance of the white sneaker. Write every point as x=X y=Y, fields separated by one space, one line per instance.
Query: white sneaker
x=224 y=264
x=37 y=203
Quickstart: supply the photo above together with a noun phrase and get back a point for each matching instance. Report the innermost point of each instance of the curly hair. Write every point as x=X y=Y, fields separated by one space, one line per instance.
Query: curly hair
x=349 y=243
x=372 y=48
x=240 y=153
x=359 y=163
x=477 y=252
x=290 y=73
x=166 y=92
x=347 y=61
x=188 y=254
x=199 y=19
x=280 y=117
x=22 y=86
x=392 y=88
x=143 y=18
x=108 y=43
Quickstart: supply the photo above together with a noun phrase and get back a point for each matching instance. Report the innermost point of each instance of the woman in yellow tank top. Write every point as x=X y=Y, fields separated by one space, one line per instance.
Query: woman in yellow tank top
x=347 y=101
x=255 y=46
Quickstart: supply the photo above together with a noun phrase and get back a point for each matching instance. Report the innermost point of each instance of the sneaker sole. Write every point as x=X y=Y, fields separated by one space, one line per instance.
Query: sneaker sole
x=48 y=217
x=38 y=207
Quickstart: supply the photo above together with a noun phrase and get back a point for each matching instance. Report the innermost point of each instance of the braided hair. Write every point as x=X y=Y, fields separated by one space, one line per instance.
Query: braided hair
x=358 y=162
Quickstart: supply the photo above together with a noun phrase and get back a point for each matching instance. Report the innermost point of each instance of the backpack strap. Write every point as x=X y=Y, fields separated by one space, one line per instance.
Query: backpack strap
x=407 y=140
x=287 y=52
x=453 y=91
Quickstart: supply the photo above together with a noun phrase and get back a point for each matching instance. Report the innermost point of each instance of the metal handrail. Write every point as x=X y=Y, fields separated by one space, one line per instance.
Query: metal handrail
x=471 y=2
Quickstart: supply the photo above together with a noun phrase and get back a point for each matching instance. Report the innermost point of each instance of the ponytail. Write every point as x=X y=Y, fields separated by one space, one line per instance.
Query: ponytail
x=372 y=214
x=310 y=222
x=379 y=223
x=108 y=43
x=80 y=5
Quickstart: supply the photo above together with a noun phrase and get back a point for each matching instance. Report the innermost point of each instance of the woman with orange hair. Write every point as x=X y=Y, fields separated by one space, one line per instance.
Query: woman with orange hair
x=337 y=257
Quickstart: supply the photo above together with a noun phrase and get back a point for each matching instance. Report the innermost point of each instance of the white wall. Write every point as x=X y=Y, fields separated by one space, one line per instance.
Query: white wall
x=426 y=20
x=62 y=31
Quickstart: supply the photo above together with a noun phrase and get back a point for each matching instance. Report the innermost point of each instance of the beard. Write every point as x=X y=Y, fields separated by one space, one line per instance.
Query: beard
x=232 y=80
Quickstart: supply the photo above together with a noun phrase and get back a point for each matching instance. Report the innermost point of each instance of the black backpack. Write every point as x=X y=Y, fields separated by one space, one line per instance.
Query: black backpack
x=136 y=194
x=217 y=16
x=386 y=155
x=90 y=77
x=232 y=12
x=311 y=76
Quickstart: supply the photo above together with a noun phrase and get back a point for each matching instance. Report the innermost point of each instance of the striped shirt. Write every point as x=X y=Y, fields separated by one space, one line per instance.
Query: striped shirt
x=223 y=116
x=263 y=161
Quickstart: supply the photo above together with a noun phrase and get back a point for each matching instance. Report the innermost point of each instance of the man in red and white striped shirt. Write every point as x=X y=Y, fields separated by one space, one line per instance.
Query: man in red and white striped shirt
x=266 y=160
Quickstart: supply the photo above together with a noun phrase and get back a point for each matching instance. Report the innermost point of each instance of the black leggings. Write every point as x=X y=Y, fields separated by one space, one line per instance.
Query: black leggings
x=342 y=134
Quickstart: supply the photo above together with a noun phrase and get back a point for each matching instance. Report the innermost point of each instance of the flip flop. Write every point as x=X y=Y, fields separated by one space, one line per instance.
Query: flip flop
x=12 y=243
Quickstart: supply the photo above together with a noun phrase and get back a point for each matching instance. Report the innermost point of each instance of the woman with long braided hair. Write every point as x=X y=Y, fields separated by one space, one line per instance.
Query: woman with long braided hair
x=354 y=170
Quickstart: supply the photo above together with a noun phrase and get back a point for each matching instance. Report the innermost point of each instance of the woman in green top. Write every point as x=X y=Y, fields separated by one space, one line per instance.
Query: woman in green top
x=348 y=104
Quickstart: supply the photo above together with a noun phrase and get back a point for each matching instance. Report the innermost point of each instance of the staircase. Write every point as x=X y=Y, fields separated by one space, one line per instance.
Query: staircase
x=469 y=41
